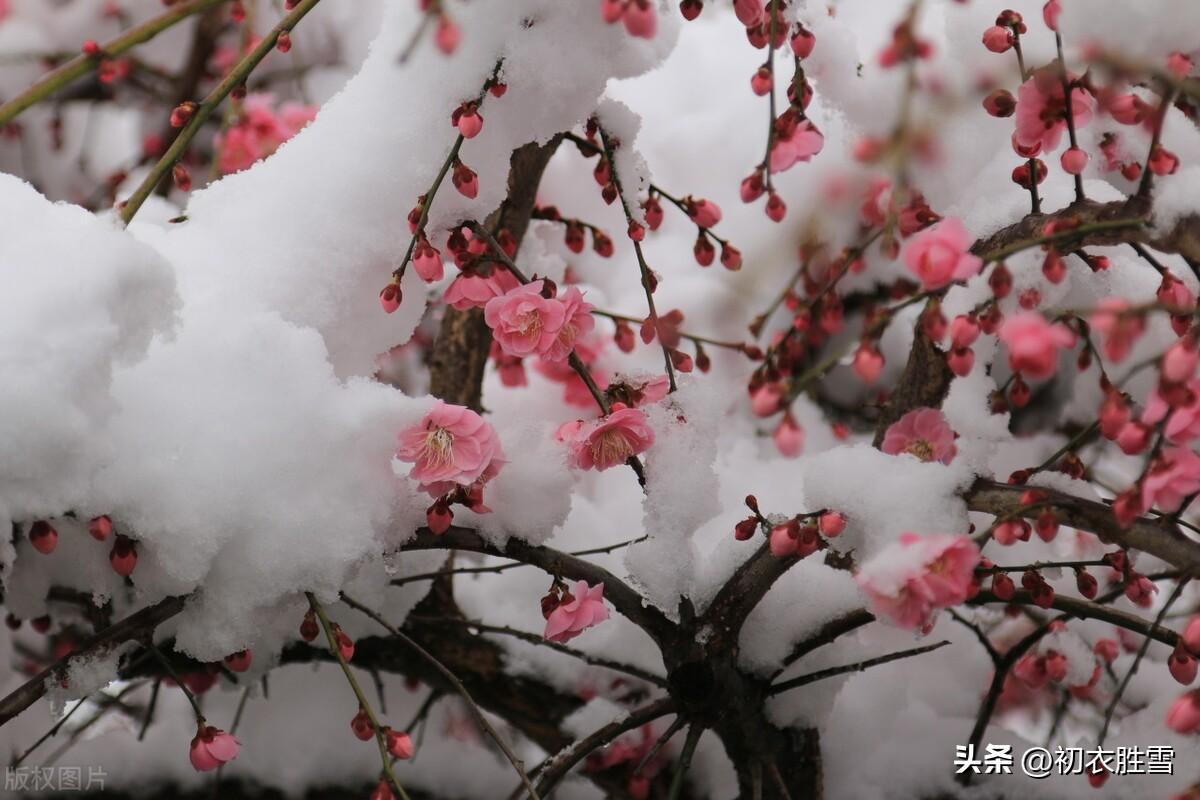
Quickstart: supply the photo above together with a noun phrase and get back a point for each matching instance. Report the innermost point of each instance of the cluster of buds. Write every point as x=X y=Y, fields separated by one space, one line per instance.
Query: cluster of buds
x=798 y=536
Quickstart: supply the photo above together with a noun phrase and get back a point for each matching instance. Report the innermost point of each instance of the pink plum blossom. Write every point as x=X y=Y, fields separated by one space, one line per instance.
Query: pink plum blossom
x=1119 y=328
x=211 y=748
x=577 y=320
x=913 y=577
x=1182 y=418
x=1033 y=343
x=451 y=444
x=471 y=290
x=524 y=322
x=585 y=609
x=259 y=131
x=800 y=142
x=940 y=254
x=606 y=442
x=1173 y=476
x=1040 y=118
x=922 y=432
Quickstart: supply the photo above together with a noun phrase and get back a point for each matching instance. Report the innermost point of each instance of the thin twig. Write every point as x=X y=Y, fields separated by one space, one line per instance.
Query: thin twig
x=453 y=680
x=859 y=666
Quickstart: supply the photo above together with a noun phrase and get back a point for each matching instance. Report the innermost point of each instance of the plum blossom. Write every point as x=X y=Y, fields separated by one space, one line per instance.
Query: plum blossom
x=472 y=290
x=940 y=254
x=1184 y=714
x=1041 y=112
x=523 y=321
x=913 y=577
x=212 y=747
x=259 y=131
x=1182 y=417
x=585 y=609
x=1119 y=328
x=606 y=442
x=922 y=432
x=1173 y=476
x=577 y=320
x=799 y=141
x=1033 y=343
x=451 y=445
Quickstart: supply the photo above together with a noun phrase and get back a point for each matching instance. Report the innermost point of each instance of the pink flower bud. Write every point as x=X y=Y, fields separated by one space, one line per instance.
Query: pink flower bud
x=868 y=363
x=465 y=181
x=284 y=42
x=438 y=517
x=469 y=122
x=641 y=20
x=182 y=113
x=690 y=9
x=345 y=644
x=123 y=556
x=100 y=527
x=1074 y=160
x=761 y=81
x=803 y=42
x=961 y=361
x=997 y=39
x=361 y=725
x=789 y=436
x=1182 y=665
x=239 y=661
x=832 y=524
x=776 y=209
x=389 y=296
x=1184 y=714
x=399 y=744
x=428 y=261
x=1191 y=634
x=211 y=748
x=43 y=537
x=1180 y=361
x=731 y=257
x=308 y=627
x=745 y=529
x=448 y=35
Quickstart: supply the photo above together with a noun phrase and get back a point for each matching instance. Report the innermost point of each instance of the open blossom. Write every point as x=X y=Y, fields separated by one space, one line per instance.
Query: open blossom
x=798 y=142
x=606 y=442
x=585 y=609
x=910 y=579
x=471 y=290
x=1183 y=422
x=577 y=320
x=259 y=131
x=940 y=254
x=212 y=747
x=1119 y=328
x=1041 y=118
x=524 y=322
x=1033 y=343
x=451 y=444
x=1173 y=476
x=922 y=432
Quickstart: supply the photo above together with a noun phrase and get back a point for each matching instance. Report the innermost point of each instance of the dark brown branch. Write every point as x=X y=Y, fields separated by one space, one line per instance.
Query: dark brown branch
x=134 y=627
x=1158 y=537
x=623 y=597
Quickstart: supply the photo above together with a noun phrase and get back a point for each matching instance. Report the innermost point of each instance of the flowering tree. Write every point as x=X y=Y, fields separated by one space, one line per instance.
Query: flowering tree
x=337 y=393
